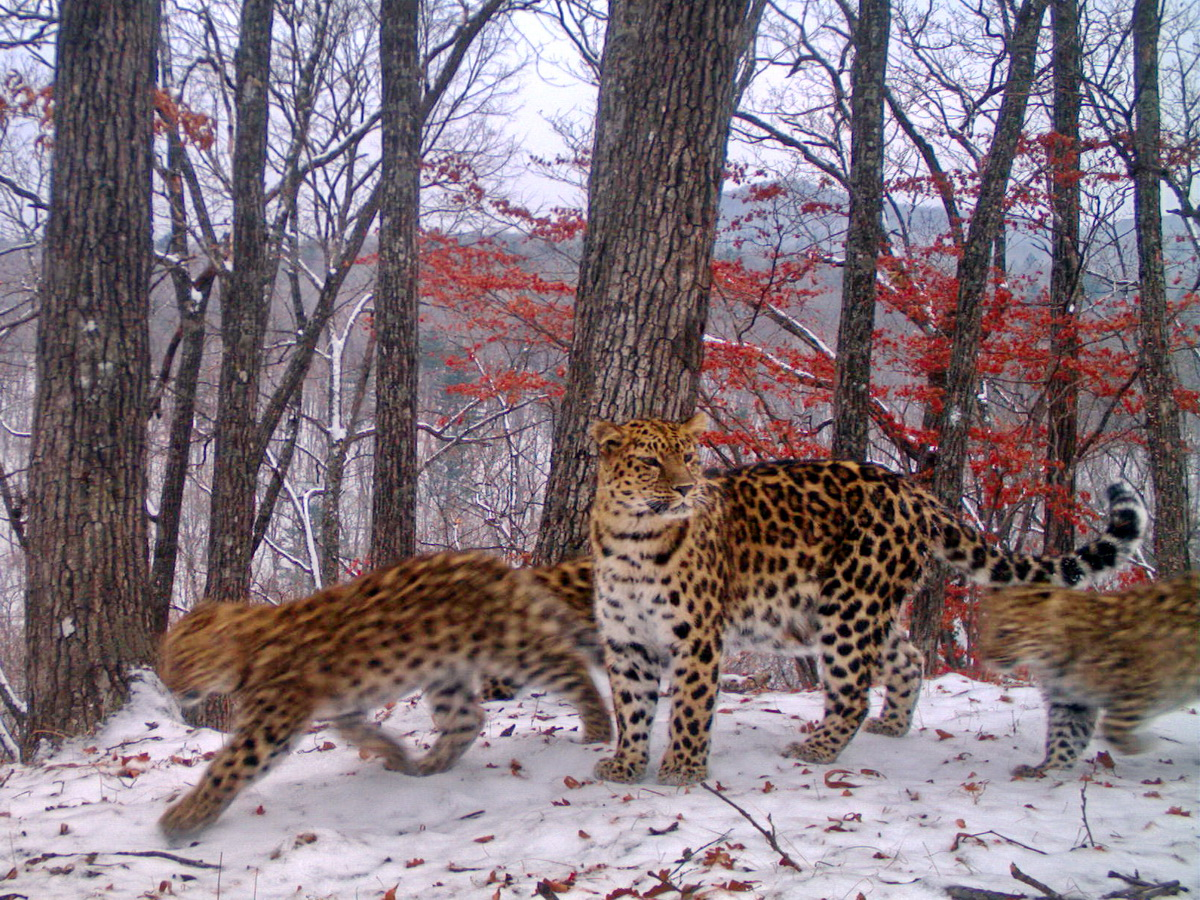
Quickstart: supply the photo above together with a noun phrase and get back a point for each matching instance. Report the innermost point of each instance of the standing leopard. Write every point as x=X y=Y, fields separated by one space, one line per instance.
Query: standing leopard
x=776 y=556
x=1133 y=654
x=437 y=622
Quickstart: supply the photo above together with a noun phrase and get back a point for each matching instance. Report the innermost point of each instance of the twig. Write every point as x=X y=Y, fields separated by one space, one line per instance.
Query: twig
x=1143 y=890
x=162 y=854
x=1091 y=841
x=784 y=858
x=962 y=834
x=962 y=892
x=1033 y=882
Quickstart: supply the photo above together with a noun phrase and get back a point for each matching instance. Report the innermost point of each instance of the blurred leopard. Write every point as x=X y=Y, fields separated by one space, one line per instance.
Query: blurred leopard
x=1132 y=653
x=437 y=622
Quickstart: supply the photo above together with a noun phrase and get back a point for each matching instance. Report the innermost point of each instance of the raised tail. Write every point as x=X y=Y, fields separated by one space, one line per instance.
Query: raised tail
x=964 y=548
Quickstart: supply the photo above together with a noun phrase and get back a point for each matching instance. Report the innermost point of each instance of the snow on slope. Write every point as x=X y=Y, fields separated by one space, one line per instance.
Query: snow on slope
x=520 y=816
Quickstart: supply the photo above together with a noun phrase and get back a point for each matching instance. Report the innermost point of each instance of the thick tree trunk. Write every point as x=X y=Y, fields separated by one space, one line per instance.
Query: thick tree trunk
x=974 y=265
x=1062 y=387
x=852 y=382
x=245 y=303
x=393 y=517
x=1163 y=431
x=88 y=612
x=666 y=97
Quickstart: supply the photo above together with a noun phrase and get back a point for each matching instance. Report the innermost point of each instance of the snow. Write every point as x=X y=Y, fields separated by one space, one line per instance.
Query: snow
x=520 y=816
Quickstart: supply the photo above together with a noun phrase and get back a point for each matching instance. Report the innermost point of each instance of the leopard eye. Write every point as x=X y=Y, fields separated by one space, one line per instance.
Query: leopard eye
x=689 y=458
x=649 y=460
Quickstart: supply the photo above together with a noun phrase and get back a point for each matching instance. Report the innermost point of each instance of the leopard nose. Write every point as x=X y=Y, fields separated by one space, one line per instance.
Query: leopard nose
x=684 y=489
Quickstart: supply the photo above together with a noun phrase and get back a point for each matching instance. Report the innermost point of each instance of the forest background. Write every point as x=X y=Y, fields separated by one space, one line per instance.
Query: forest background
x=269 y=392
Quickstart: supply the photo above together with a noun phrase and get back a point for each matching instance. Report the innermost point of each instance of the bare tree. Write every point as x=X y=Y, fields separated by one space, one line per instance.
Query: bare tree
x=974 y=265
x=1066 y=269
x=89 y=618
x=864 y=236
x=412 y=87
x=666 y=96
x=1163 y=431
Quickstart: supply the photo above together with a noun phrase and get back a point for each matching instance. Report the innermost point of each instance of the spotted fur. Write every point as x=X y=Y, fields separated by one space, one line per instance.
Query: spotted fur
x=435 y=622
x=571 y=582
x=1133 y=654
x=777 y=556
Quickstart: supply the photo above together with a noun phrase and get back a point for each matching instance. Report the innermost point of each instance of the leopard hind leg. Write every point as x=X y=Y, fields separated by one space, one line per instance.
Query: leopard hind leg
x=566 y=674
x=457 y=716
x=1069 y=727
x=849 y=653
x=901 y=668
x=1120 y=724
x=363 y=733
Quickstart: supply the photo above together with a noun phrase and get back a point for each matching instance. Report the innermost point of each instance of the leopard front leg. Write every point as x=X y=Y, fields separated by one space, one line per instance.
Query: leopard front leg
x=1069 y=727
x=902 y=666
x=694 y=680
x=266 y=725
x=633 y=673
x=847 y=671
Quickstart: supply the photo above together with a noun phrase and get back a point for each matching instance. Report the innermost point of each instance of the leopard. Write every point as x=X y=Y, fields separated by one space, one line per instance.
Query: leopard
x=1130 y=654
x=781 y=556
x=435 y=622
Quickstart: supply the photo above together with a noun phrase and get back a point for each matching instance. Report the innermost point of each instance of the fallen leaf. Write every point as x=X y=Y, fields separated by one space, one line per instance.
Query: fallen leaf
x=486 y=839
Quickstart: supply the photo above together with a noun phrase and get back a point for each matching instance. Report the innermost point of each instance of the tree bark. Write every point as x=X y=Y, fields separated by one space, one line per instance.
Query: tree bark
x=1062 y=381
x=852 y=381
x=89 y=618
x=244 y=307
x=666 y=97
x=974 y=265
x=1163 y=431
x=393 y=506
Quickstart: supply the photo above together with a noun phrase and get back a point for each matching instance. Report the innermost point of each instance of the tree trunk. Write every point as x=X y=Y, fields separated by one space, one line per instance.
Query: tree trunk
x=1163 y=431
x=393 y=508
x=666 y=97
x=191 y=299
x=245 y=303
x=1062 y=382
x=852 y=381
x=974 y=265
x=88 y=612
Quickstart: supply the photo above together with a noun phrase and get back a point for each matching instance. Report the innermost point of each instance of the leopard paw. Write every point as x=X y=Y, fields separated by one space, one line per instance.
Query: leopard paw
x=682 y=774
x=1030 y=771
x=613 y=768
x=598 y=732
x=183 y=821
x=812 y=751
x=887 y=727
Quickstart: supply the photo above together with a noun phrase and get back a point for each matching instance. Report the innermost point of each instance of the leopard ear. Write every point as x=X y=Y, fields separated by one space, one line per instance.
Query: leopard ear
x=697 y=423
x=607 y=435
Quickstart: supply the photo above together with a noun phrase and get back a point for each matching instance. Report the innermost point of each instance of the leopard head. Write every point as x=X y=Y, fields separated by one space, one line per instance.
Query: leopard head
x=651 y=467
x=202 y=653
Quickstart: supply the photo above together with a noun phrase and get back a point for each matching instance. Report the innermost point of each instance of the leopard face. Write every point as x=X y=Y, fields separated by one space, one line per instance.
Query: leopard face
x=201 y=655
x=652 y=467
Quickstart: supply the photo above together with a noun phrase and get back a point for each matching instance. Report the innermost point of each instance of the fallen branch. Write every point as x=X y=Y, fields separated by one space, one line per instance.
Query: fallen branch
x=1143 y=890
x=1033 y=882
x=92 y=854
x=784 y=858
x=962 y=892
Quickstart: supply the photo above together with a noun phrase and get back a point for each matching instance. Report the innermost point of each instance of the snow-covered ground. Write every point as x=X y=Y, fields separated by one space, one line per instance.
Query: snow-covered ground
x=520 y=815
